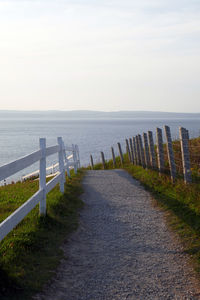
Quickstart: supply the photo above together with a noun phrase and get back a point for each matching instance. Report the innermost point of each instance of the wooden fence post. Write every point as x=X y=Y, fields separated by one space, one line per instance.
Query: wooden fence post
x=151 y=150
x=141 y=149
x=138 y=150
x=170 y=153
x=131 y=149
x=113 y=157
x=92 y=163
x=128 y=150
x=185 y=154
x=103 y=160
x=146 y=150
x=186 y=133
x=160 y=151
x=134 y=152
x=61 y=164
x=42 y=176
x=120 y=153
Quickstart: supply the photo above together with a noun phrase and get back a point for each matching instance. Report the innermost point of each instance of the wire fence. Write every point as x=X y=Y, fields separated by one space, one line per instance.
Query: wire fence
x=179 y=158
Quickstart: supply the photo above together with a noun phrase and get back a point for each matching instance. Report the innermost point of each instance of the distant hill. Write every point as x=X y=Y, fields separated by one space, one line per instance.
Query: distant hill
x=87 y=114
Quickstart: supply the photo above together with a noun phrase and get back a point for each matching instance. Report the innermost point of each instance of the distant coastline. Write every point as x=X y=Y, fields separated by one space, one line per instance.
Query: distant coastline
x=87 y=114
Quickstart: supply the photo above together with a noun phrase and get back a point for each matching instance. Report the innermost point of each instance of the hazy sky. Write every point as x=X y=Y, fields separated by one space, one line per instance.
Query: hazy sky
x=100 y=55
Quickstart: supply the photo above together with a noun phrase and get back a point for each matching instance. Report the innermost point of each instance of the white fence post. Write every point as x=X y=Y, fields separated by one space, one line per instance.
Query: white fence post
x=68 y=170
x=66 y=160
x=61 y=164
x=74 y=158
x=78 y=156
x=42 y=176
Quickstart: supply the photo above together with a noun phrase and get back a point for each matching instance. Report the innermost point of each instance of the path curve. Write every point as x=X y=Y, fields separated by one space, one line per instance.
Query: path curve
x=122 y=248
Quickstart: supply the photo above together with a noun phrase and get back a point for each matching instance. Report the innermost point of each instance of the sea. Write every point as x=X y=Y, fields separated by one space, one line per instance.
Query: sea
x=20 y=136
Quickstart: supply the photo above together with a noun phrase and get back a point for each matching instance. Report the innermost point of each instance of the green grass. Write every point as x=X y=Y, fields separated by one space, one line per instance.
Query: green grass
x=31 y=252
x=182 y=202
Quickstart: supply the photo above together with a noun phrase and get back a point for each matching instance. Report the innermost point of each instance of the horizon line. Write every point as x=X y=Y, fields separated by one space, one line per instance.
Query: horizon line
x=96 y=111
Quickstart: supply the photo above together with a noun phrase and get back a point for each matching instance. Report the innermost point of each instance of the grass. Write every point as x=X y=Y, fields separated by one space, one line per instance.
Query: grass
x=31 y=252
x=182 y=202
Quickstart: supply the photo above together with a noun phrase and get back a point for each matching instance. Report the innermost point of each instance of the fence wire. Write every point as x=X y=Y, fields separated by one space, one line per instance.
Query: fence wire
x=194 y=155
x=190 y=148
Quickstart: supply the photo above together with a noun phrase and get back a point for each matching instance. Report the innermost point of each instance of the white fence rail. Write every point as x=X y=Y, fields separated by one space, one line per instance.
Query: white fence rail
x=51 y=170
x=64 y=164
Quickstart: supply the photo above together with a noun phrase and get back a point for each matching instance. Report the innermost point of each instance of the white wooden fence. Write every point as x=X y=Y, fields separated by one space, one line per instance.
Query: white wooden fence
x=44 y=188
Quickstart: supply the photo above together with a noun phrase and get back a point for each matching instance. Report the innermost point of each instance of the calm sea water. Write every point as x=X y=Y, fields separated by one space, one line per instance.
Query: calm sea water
x=19 y=137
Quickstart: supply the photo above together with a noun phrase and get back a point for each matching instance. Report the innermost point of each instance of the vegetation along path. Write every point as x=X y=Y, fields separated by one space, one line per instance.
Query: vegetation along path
x=122 y=249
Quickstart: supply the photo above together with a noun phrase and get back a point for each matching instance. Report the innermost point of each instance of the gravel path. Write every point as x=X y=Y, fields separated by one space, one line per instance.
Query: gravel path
x=122 y=249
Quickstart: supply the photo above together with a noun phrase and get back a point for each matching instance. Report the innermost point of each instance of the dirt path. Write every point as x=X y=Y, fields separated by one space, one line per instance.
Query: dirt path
x=122 y=249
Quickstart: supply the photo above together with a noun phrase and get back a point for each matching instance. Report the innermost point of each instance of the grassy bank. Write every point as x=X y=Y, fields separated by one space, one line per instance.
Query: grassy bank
x=182 y=202
x=31 y=252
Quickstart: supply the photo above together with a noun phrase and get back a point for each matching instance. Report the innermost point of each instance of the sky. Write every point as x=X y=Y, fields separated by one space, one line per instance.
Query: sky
x=106 y=55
